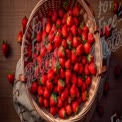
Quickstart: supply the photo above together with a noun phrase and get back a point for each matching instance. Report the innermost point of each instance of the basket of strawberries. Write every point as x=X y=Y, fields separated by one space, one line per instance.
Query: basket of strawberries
x=61 y=59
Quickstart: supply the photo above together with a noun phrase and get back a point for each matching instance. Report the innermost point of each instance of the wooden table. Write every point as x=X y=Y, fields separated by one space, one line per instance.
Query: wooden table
x=11 y=13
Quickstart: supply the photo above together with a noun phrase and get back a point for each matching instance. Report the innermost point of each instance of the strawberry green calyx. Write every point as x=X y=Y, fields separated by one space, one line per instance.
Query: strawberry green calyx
x=62 y=82
x=90 y=58
x=54 y=96
x=57 y=66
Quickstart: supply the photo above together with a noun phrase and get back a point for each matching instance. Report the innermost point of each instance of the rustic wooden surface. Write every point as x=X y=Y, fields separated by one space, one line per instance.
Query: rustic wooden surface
x=11 y=13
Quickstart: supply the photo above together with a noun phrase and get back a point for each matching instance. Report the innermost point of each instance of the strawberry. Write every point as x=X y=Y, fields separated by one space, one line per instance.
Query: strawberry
x=40 y=90
x=73 y=30
x=69 y=99
x=76 y=67
x=67 y=76
x=75 y=107
x=43 y=51
x=43 y=79
x=50 y=74
x=88 y=80
x=46 y=93
x=107 y=31
x=79 y=31
x=41 y=100
x=84 y=36
x=73 y=57
x=69 y=12
x=61 y=52
x=69 y=21
x=49 y=47
x=76 y=21
x=75 y=11
x=83 y=60
x=24 y=23
x=51 y=36
x=19 y=37
x=53 y=100
x=80 y=82
x=29 y=51
x=69 y=40
x=54 y=16
x=75 y=42
x=74 y=78
x=115 y=6
x=53 y=110
x=49 y=85
x=46 y=103
x=87 y=47
x=80 y=71
x=64 y=43
x=90 y=58
x=62 y=62
x=60 y=85
x=64 y=19
x=11 y=77
x=91 y=38
x=86 y=29
x=64 y=94
x=106 y=88
x=92 y=68
x=117 y=71
x=64 y=31
x=56 y=67
x=86 y=69
x=68 y=110
x=62 y=113
x=5 y=48
x=44 y=35
x=79 y=50
x=39 y=37
x=100 y=110
x=68 y=54
x=84 y=96
x=84 y=86
x=73 y=91
x=48 y=27
x=60 y=13
x=34 y=87
x=79 y=100
x=68 y=64
x=57 y=41
x=60 y=102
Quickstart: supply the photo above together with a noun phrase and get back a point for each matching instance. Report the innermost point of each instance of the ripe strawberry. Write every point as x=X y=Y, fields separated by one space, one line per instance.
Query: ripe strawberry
x=43 y=51
x=49 y=47
x=53 y=110
x=107 y=31
x=24 y=23
x=60 y=13
x=51 y=36
x=88 y=80
x=73 y=57
x=115 y=7
x=84 y=86
x=73 y=91
x=73 y=30
x=117 y=71
x=44 y=35
x=34 y=87
x=68 y=109
x=57 y=41
x=48 y=27
x=62 y=113
x=76 y=21
x=64 y=31
x=40 y=90
x=106 y=88
x=39 y=37
x=43 y=79
x=80 y=82
x=50 y=74
x=64 y=19
x=64 y=94
x=53 y=100
x=69 y=40
x=67 y=76
x=69 y=99
x=5 y=48
x=74 y=78
x=68 y=54
x=75 y=42
x=92 y=68
x=76 y=67
x=87 y=47
x=46 y=93
x=84 y=96
x=19 y=37
x=11 y=77
x=79 y=50
x=91 y=38
x=90 y=58
x=61 y=73
x=60 y=85
x=61 y=52
x=69 y=12
x=86 y=69
x=46 y=103
x=62 y=62
x=75 y=11
x=80 y=71
x=80 y=30
x=69 y=21
x=83 y=60
x=60 y=102
x=75 y=107
x=68 y=64
x=54 y=16
x=79 y=100
x=41 y=101
x=86 y=29
x=49 y=85
x=84 y=36
x=64 y=43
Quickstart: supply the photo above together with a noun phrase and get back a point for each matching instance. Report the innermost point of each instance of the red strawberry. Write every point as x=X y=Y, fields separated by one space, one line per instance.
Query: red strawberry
x=61 y=73
x=19 y=37
x=60 y=13
x=69 y=40
x=75 y=42
x=51 y=36
x=88 y=80
x=84 y=86
x=75 y=107
x=69 y=99
x=84 y=96
x=69 y=21
x=54 y=16
x=49 y=47
x=62 y=62
x=11 y=77
x=50 y=74
x=74 y=78
x=117 y=71
x=80 y=82
x=92 y=68
x=91 y=38
x=24 y=23
x=79 y=100
x=40 y=90
x=84 y=36
x=90 y=58
x=64 y=43
x=69 y=12
x=64 y=94
x=79 y=50
x=48 y=27
x=57 y=41
x=43 y=51
x=68 y=64
x=49 y=85
x=73 y=57
x=5 y=48
x=61 y=52
x=68 y=53
x=43 y=79
x=80 y=31
x=100 y=110
x=107 y=31
x=34 y=87
x=76 y=67
x=73 y=30
x=68 y=110
x=39 y=37
x=53 y=110
x=76 y=21
x=83 y=60
x=60 y=102
x=62 y=113
x=86 y=29
x=64 y=31
x=86 y=69
x=64 y=18
x=80 y=71
x=53 y=99
x=116 y=6
x=44 y=35
x=46 y=103
x=73 y=91
x=75 y=11
x=87 y=47
x=67 y=76
x=106 y=88
x=41 y=100
x=60 y=85
x=46 y=93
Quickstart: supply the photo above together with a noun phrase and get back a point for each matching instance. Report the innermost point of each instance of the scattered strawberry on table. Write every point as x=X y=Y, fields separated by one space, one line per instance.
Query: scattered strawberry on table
x=5 y=48
x=11 y=77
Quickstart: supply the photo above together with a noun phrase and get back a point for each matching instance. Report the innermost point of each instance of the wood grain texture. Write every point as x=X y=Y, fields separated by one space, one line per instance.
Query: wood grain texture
x=11 y=13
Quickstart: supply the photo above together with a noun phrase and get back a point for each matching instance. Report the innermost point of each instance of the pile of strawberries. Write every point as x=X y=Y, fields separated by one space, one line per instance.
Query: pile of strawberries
x=65 y=84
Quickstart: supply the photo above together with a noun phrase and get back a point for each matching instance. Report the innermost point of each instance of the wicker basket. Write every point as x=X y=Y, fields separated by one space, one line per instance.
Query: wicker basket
x=40 y=10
